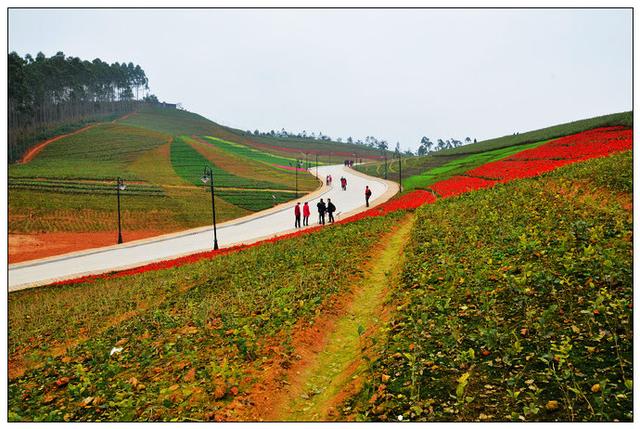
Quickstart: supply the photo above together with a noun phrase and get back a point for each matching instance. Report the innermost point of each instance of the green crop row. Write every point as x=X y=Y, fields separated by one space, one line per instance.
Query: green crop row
x=189 y=336
x=81 y=187
x=256 y=200
x=189 y=164
x=251 y=153
x=515 y=304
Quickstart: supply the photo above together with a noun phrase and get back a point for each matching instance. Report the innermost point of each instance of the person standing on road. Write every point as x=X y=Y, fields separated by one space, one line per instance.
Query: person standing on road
x=321 y=209
x=306 y=212
x=296 y=211
x=330 y=209
x=367 y=195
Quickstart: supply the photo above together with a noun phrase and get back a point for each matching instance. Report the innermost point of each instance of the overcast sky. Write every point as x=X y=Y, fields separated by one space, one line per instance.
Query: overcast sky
x=394 y=74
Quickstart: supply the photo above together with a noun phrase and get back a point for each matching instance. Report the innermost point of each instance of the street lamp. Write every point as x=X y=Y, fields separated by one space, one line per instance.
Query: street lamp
x=385 y=166
x=400 y=169
x=120 y=186
x=207 y=176
x=317 y=165
x=298 y=165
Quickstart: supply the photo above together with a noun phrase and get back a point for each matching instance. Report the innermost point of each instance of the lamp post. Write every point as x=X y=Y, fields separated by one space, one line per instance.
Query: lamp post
x=298 y=165
x=317 y=164
x=120 y=186
x=207 y=176
x=400 y=169
x=385 y=166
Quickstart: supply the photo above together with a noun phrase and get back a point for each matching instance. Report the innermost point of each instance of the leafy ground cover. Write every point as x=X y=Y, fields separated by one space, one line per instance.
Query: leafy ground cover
x=251 y=153
x=178 y=343
x=515 y=304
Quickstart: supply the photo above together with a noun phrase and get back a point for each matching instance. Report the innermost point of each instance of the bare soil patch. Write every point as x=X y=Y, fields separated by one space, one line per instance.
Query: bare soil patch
x=25 y=247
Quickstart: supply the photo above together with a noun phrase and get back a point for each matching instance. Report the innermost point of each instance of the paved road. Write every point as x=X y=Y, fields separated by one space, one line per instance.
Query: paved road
x=245 y=230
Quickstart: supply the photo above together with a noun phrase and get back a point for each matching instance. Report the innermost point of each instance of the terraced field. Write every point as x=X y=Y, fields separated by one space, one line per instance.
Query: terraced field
x=161 y=166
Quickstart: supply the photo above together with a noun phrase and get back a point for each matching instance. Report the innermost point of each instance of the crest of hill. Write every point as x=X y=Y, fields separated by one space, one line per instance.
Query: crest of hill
x=181 y=122
x=624 y=119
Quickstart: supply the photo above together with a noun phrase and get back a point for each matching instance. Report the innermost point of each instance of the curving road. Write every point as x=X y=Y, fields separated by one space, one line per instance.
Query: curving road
x=275 y=221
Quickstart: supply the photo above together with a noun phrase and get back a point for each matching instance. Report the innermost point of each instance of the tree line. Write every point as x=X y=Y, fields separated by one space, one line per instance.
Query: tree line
x=48 y=93
x=369 y=141
x=427 y=146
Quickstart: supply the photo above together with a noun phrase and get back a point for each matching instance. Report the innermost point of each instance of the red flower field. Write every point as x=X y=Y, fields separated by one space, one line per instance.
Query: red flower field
x=457 y=185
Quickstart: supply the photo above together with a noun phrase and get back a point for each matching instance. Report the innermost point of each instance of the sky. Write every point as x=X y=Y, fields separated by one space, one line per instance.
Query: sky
x=393 y=74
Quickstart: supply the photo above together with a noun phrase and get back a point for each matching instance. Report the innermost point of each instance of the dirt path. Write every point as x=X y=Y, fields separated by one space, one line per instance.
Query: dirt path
x=331 y=357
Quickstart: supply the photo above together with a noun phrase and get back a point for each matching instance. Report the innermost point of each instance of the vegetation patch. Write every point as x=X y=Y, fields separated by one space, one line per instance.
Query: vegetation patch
x=515 y=304
x=187 y=356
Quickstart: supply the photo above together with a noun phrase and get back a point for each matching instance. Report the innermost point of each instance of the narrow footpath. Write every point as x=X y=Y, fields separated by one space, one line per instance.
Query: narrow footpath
x=331 y=372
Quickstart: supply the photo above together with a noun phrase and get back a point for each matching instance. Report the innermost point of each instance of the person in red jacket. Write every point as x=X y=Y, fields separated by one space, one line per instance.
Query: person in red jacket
x=306 y=212
x=367 y=195
x=296 y=211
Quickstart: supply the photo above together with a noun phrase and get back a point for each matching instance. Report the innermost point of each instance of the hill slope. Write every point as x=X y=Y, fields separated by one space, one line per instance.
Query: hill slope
x=498 y=330
x=420 y=172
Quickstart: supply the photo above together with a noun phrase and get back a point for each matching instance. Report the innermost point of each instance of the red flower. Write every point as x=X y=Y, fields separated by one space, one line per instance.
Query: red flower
x=457 y=185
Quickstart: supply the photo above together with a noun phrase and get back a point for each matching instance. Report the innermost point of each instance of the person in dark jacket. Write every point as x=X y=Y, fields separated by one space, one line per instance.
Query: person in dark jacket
x=296 y=211
x=367 y=195
x=306 y=212
x=330 y=209
x=321 y=209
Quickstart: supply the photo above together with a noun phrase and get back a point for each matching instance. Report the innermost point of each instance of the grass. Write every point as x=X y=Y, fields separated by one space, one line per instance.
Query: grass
x=102 y=152
x=191 y=336
x=189 y=165
x=515 y=304
x=251 y=153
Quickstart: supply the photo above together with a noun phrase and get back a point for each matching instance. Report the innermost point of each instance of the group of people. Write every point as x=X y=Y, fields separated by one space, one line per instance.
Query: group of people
x=327 y=208
x=348 y=162
x=323 y=208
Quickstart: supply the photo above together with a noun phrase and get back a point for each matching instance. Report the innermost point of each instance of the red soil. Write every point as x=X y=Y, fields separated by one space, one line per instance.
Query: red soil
x=24 y=247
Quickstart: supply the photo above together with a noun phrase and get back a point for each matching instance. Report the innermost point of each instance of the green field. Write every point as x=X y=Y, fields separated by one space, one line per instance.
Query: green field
x=251 y=153
x=162 y=167
x=189 y=164
x=515 y=304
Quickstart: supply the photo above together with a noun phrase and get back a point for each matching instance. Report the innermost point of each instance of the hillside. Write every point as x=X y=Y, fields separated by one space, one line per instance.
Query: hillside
x=176 y=122
x=512 y=303
x=420 y=172
x=65 y=196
